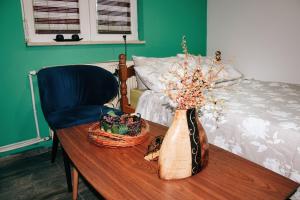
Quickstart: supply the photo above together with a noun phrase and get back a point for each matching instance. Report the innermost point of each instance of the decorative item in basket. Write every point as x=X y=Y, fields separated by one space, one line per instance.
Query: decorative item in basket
x=127 y=124
x=118 y=131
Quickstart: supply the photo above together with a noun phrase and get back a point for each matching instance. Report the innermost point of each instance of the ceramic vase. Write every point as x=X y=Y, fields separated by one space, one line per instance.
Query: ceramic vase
x=184 y=151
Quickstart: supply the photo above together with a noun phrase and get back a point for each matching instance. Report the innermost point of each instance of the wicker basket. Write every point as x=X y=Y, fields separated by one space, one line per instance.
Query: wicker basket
x=102 y=138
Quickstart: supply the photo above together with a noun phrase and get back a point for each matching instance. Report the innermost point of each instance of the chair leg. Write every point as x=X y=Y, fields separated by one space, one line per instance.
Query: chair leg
x=67 y=170
x=54 y=147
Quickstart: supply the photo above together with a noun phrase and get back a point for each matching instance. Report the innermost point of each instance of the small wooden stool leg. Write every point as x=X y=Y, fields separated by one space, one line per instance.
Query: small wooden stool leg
x=75 y=183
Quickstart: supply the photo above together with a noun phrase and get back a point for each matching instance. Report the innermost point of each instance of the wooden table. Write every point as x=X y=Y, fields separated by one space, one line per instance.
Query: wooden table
x=122 y=173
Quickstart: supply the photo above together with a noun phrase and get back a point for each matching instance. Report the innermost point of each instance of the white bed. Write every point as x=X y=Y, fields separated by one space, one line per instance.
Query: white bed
x=260 y=121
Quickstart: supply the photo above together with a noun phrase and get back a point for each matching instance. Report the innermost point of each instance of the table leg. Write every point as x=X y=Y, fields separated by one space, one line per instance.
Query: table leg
x=75 y=183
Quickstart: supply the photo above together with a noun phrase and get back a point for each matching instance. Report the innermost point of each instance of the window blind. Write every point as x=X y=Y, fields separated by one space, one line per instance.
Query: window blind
x=114 y=16
x=56 y=16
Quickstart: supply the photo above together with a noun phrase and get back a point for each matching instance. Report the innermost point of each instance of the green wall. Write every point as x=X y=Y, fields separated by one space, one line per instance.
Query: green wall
x=161 y=25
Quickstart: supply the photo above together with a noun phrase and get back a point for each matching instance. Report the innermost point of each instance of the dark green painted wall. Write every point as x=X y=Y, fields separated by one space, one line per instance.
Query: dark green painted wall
x=161 y=25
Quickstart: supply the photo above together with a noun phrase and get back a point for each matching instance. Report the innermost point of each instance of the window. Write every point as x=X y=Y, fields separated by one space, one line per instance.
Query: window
x=93 y=20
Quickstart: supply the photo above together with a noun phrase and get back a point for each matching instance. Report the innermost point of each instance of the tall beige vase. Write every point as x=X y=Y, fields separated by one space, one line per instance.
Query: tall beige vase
x=184 y=151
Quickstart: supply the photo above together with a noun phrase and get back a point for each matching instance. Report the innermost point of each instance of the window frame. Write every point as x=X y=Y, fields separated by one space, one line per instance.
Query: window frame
x=88 y=26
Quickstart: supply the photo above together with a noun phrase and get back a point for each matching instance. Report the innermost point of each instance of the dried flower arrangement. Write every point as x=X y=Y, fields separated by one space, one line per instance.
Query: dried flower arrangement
x=188 y=83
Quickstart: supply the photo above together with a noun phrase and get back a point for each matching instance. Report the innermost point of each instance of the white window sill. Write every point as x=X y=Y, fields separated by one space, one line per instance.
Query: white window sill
x=82 y=43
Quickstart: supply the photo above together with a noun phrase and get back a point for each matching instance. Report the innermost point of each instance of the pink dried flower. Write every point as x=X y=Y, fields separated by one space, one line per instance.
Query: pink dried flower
x=187 y=89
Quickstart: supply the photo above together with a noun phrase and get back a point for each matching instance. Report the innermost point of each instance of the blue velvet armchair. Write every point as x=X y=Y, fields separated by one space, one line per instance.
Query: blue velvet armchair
x=73 y=95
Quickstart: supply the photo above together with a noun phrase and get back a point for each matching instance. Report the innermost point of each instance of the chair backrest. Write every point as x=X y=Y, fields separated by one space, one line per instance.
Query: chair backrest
x=64 y=87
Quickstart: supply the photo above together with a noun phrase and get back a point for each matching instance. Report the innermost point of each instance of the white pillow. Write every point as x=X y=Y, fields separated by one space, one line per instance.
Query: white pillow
x=149 y=71
x=229 y=73
x=191 y=58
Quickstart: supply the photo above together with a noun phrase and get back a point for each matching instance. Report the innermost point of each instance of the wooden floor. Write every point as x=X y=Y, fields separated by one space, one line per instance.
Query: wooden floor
x=33 y=176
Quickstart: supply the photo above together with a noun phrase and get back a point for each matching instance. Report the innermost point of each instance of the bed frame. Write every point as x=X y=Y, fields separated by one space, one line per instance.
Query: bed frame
x=124 y=74
x=127 y=72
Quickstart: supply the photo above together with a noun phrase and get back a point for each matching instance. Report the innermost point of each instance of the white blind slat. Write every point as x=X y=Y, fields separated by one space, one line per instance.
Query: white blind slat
x=56 y=16
x=114 y=17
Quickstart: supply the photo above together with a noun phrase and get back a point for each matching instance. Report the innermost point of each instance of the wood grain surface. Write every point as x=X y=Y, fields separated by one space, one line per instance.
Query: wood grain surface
x=122 y=173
